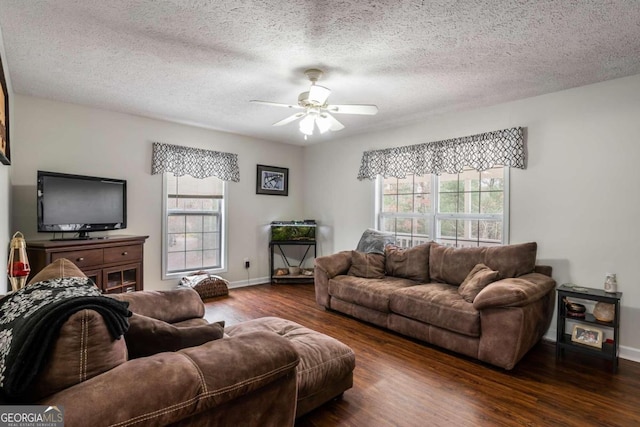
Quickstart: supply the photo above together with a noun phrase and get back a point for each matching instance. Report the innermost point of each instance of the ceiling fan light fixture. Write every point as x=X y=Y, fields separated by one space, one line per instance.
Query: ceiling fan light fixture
x=307 y=124
x=323 y=124
x=318 y=94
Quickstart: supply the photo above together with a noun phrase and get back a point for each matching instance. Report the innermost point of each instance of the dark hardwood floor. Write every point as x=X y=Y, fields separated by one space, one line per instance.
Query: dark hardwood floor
x=402 y=382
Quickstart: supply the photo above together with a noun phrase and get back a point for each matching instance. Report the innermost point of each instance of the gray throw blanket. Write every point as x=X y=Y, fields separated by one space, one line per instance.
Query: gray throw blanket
x=30 y=320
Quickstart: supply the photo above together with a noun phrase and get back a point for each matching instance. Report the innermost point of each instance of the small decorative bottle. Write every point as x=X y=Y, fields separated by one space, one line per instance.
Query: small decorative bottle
x=610 y=283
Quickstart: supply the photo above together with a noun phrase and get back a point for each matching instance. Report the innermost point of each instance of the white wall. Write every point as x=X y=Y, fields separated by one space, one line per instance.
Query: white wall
x=74 y=139
x=578 y=197
x=5 y=184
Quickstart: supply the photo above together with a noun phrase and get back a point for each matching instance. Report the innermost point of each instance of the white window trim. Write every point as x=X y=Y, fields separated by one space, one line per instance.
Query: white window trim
x=435 y=216
x=223 y=239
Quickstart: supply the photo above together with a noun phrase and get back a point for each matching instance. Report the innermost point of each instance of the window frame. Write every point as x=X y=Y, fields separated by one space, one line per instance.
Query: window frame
x=165 y=231
x=434 y=217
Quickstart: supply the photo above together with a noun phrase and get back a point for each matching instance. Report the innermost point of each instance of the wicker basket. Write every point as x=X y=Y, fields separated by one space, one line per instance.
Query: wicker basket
x=211 y=286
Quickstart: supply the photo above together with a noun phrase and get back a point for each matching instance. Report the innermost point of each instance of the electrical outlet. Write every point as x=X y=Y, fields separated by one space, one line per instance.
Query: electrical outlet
x=247 y=264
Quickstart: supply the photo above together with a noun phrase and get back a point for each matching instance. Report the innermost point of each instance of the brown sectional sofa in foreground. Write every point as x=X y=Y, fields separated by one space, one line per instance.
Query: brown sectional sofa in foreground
x=172 y=367
x=489 y=303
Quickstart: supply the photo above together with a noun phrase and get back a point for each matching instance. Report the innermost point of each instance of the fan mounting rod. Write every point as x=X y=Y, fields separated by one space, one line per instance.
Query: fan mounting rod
x=313 y=74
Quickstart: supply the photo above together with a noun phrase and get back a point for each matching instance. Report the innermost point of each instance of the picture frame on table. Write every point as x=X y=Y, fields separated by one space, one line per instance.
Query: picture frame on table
x=587 y=335
x=5 y=149
x=272 y=180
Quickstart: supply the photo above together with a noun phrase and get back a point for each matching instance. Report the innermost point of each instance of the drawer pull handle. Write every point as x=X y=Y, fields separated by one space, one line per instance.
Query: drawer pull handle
x=80 y=259
x=125 y=253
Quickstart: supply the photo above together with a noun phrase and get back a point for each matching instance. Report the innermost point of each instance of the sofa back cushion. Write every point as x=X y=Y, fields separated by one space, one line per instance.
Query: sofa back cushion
x=170 y=306
x=59 y=268
x=412 y=263
x=452 y=265
x=147 y=336
x=512 y=260
x=366 y=265
x=84 y=349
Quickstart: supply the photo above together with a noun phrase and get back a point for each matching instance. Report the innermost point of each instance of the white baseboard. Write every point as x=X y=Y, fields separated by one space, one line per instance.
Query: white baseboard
x=249 y=282
x=627 y=353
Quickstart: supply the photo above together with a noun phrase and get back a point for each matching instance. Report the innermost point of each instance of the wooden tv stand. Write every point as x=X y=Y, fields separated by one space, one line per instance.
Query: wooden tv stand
x=115 y=264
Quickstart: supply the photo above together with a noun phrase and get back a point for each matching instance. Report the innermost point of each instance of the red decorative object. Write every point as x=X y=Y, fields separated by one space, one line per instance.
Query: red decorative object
x=18 y=268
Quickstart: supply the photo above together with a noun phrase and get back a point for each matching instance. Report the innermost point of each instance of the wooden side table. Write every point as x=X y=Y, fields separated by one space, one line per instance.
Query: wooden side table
x=564 y=341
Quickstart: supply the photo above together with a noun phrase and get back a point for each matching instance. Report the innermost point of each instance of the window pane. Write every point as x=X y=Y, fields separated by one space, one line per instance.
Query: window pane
x=211 y=223
x=211 y=258
x=390 y=203
x=388 y=224
x=194 y=241
x=422 y=184
x=176 y=223
x=210 y=241
x=492 y=179
x=469 y=180
x=451 y=202
x=492 y=202
x=449 y=183
x=390 y=186
x=193 y=260
x=422 y=203
x=175 y=261
x=176 y=242
x=405 y=203
x=194 y=223
x=405 y=185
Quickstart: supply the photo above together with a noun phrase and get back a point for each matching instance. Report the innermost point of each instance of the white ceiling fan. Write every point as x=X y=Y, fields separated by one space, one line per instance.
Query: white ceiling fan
x=316 y=112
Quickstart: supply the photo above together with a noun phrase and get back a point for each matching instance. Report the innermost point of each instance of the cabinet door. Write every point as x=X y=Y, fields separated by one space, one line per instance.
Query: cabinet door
x=124 y=278
x=96 y=276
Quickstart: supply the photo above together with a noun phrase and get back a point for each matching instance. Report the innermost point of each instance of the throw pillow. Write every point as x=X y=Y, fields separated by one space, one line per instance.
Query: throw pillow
x=374 y=241
x=367 y=265
x=412 y=263
x=59 y=268
x=147 y=336
x=479 y=277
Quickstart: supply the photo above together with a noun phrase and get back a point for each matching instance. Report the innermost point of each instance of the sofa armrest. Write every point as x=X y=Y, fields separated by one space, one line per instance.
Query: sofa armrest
x=514 y=292
x=170 y=306
x=334 y=265
x=328 y=267
x=168 y=387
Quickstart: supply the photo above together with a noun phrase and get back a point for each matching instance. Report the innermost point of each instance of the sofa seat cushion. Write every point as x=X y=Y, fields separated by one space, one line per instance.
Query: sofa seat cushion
x=437 y=304
x=370 y=293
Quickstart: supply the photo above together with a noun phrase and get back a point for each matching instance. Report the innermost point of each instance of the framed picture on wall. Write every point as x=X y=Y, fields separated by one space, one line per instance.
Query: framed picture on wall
x=5 y=152
x=272 y=180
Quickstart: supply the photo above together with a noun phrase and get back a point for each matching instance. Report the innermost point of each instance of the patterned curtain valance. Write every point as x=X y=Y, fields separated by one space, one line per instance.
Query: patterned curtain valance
x=196 y=162
x=481 y=152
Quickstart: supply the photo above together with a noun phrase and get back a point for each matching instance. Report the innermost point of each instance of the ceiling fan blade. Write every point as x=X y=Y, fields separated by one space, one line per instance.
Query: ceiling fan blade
x=334 y=124
x=275 y=104
x=289 y=119
x=364 y=109
x=319 y=94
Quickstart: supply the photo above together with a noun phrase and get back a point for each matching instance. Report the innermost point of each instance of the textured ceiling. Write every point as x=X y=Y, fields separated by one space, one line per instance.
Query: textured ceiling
x=201 y=61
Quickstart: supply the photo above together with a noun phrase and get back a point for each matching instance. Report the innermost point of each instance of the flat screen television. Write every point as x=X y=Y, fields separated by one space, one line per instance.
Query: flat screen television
x=80 y=204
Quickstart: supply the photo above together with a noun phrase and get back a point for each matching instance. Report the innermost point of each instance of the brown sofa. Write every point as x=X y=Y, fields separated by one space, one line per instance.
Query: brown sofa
x=489 y=303
x=249 y=379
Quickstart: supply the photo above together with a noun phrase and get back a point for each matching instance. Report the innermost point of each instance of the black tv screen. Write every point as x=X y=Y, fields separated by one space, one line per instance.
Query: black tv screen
x=77 y=203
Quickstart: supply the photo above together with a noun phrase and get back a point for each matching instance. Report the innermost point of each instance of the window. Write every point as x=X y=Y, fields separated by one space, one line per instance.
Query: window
x=194 y=225
x=465 y=209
